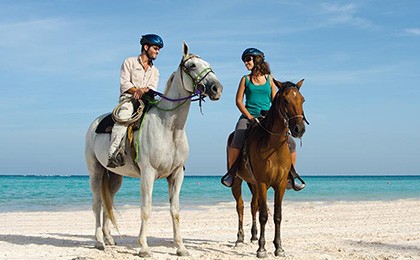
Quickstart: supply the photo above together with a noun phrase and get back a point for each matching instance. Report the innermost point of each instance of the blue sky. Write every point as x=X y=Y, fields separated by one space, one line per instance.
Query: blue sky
x=60 y=62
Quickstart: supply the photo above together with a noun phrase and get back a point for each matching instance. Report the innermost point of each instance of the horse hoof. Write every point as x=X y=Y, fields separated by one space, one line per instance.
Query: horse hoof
x=262 y=254
x=110 y=242
x=239 y=242
x=182 y=252
x=145 y=254
x=279 y=252
x=100 y=246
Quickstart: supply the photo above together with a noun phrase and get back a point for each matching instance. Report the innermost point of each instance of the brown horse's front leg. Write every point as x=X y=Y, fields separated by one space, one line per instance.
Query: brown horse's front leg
x=254 y=209
x=237 y=194
x=278 y=197
x=262 y=203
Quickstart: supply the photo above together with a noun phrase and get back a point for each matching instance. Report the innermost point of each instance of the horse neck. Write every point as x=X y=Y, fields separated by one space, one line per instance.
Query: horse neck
x=175 y=112
x=274 y=121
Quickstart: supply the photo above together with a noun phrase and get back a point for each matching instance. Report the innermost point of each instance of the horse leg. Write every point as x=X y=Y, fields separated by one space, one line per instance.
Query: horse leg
x=147 y=182
x=174 y=186
x=278 y=197
x=237 y=194
x=115 y=182
x=262 y=203
x=96 y=173
x=254 y=209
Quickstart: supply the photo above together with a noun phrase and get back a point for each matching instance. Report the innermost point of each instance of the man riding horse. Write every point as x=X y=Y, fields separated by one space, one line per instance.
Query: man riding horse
x=138 y=76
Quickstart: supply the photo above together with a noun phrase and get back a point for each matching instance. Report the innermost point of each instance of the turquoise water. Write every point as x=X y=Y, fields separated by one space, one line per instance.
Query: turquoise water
x=32 y=193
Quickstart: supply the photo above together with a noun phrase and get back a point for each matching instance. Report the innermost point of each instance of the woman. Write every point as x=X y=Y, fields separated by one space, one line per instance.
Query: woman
x=259 y=89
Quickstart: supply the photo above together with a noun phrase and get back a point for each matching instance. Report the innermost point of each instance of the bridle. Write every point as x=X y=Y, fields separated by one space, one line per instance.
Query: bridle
x=283 y=112
x=196 y=83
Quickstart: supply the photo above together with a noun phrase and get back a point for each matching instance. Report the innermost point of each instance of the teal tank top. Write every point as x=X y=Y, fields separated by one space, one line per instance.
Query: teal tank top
x=258 y=97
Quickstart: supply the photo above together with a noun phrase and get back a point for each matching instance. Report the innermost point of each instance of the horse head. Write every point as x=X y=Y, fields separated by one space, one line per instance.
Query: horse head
x=290 y=106
x=198 y=76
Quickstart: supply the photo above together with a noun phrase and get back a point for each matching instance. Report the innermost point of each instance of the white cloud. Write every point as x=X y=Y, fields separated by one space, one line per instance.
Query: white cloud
x=336 y=14
x=22 y=33
x=412 y=31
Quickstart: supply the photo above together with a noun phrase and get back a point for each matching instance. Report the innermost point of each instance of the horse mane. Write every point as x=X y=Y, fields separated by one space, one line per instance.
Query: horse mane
x=169 y=83
x=273 y=114
x=171 y=78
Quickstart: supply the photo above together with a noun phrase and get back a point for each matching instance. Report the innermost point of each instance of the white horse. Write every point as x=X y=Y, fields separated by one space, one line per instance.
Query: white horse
x=163 y=150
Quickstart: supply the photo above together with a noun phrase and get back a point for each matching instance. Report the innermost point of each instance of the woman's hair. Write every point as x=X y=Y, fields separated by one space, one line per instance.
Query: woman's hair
x=260 y=66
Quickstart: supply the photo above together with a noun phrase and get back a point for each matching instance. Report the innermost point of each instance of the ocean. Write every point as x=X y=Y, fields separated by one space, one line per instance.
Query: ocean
x=53 y=193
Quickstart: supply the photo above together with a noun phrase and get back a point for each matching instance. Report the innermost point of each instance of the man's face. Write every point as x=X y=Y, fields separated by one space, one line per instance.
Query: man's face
x=152 y=51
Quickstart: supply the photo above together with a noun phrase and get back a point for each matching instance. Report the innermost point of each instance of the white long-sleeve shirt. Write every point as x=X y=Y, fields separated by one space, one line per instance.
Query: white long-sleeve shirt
x=134 y=75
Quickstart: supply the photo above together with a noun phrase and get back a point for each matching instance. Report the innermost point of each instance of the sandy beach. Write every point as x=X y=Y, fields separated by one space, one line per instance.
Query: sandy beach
x=310 y=230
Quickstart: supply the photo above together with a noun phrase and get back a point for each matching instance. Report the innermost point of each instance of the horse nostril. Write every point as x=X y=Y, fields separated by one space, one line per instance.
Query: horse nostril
x=214 y=88
x=298 y=130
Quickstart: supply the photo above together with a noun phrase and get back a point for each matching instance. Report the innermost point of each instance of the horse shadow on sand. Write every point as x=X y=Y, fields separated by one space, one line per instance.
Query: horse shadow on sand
x=124 y=244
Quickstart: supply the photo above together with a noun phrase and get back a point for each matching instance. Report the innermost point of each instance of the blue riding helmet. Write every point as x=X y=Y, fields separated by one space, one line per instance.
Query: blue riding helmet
x=151 y=39
x=252 y=52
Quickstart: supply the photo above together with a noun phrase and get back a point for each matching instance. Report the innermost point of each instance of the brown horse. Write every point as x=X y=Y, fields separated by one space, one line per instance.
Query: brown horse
x=265 y=161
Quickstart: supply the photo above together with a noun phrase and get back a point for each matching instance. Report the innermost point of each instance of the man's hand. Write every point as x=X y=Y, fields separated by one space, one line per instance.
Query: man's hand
x=138 y=94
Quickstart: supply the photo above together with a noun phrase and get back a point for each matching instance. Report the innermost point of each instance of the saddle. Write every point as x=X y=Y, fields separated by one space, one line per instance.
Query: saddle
x=106 y=124
x=243 y=154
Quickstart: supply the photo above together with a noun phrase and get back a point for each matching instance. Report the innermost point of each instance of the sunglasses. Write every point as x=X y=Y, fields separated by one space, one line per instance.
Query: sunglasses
x=248 y=59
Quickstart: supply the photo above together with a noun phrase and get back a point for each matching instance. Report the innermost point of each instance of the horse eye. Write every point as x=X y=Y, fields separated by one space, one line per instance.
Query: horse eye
x=192 y=66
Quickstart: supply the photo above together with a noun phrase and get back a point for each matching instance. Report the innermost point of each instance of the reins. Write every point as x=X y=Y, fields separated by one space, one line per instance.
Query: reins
x=285 y=117
x=196 y=82
x=265 y=129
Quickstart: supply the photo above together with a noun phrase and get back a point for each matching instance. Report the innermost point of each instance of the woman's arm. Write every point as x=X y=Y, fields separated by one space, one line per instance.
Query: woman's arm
x=273 y=88
x=240 y=98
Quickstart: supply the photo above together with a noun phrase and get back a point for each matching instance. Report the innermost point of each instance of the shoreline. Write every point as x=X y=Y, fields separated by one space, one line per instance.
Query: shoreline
x=196 y=206
x=310 y=230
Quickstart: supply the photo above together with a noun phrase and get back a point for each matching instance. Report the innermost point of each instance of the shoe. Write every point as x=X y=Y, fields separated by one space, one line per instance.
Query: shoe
x=291 y=180
x=116 y=160
x=228 y=179
x=292 y=184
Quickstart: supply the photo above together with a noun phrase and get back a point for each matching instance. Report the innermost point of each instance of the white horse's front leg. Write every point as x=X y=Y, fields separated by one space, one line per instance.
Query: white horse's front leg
x=174 y=185
x=147 y=182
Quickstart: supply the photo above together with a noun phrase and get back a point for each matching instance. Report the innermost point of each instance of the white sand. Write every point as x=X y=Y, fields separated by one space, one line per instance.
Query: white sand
x=310 y=230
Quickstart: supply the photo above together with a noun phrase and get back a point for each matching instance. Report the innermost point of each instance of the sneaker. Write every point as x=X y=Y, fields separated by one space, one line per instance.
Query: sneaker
x=116 y=160
x=293 y=184
x=228 y=179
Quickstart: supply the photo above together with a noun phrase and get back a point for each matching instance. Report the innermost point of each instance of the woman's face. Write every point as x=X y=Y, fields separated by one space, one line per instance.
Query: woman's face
x=249 y=62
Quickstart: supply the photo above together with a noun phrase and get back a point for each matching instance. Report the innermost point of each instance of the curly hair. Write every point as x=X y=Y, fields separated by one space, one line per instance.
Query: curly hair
x=261 y=67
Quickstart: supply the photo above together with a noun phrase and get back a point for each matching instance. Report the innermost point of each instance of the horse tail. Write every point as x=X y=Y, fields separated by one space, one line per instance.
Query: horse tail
x=107 y=199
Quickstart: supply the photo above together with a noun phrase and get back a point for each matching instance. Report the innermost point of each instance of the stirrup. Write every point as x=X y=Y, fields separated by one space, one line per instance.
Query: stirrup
x=298 y=186
x=228 y=179
x=292 y=184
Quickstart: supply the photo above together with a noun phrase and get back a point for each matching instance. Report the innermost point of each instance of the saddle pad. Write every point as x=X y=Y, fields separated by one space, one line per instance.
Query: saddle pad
x=105 y=126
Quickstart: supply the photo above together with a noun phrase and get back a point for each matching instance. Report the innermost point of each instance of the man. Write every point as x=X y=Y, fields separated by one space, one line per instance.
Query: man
x=138 y=76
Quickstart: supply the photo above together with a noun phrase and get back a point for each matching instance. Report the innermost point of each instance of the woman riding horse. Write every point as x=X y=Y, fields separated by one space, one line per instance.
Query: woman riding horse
x=259 y=89
x=266 y=161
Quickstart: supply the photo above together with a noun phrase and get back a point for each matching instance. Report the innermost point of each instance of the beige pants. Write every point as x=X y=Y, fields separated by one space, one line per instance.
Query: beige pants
x=119 y=130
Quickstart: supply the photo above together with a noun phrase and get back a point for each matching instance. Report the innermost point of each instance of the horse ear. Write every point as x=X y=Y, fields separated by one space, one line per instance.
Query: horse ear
x=278 y=83
x=185 y=50
x=300 y=83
